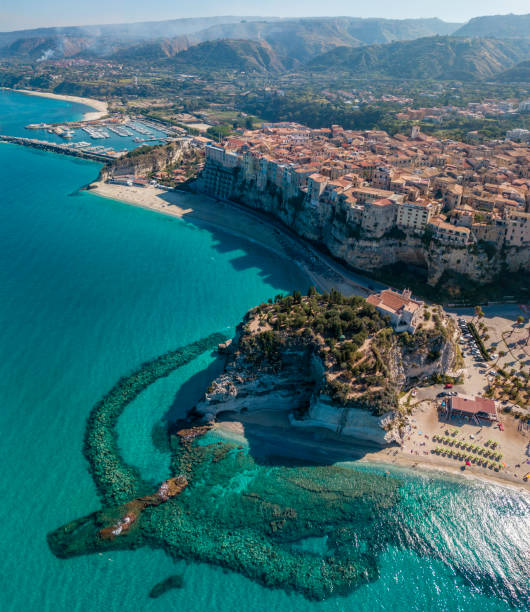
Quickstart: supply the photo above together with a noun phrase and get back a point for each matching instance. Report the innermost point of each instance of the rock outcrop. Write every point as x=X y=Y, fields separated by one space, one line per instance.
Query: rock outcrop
x=329 y=362
x=144 y=161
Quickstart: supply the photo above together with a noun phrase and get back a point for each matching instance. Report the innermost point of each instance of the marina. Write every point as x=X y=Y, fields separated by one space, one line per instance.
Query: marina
x=120 y=130
x=96 y=133
x=121 y=134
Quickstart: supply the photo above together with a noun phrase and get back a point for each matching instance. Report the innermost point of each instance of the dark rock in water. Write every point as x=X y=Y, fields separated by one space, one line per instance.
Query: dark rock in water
x=173 y=582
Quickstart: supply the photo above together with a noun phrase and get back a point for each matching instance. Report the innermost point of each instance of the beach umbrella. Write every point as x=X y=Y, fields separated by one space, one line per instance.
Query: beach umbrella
x=468 y=463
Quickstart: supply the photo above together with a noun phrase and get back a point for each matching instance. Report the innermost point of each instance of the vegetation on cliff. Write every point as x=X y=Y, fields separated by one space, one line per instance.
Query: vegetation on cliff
x=364 y=362
x=348 y=335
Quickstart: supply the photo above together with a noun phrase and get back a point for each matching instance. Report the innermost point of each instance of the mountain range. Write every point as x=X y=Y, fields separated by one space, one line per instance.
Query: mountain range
x=497 y=26
x=298 y=39
x=439 y=57
x=484 y=48
x=431 y=58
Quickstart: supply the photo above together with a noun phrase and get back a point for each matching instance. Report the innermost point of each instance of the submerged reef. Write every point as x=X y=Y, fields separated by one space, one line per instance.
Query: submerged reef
x=317 y=530
x=255 y=519
x=172 y=582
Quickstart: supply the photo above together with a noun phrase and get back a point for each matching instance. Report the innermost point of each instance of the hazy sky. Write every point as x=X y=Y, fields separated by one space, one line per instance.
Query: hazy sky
x=20 y=14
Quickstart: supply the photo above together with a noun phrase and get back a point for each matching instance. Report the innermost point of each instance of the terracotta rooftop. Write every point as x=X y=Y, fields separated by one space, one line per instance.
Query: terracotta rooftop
x=393 y=302
x=473 y=405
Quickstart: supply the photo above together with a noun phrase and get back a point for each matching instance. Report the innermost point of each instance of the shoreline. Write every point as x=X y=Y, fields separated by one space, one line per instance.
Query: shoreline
x=313 y=442
x=425 y=466
x=234 y=219
x=100 y=107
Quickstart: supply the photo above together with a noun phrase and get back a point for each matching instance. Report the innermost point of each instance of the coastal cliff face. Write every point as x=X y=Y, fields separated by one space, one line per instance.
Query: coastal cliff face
x=144 y=161
x=332 y=227
x=329 y=362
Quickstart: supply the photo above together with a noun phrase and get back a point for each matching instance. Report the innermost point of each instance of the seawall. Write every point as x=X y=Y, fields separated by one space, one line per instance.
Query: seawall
x=55 y=148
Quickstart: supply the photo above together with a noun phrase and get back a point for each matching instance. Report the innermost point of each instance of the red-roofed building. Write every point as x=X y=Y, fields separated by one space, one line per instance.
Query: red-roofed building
x=404 y=312
x=474 y=408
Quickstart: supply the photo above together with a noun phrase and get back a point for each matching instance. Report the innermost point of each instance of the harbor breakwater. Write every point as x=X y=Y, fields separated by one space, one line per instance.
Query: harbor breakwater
x=116 y=481
x=55 y=148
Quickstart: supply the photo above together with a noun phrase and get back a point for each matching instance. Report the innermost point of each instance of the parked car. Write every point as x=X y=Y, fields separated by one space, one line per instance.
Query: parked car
x=452 y=393
x=441 y=394
x=448 y=386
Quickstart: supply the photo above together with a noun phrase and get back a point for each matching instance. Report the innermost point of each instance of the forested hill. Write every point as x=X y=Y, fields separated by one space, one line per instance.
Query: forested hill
x=238 y=55
x=497 y=26
x=518 y=74
x=436 y=57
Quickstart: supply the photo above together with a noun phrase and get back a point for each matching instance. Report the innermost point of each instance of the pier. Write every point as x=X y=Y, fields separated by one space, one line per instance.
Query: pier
x=58 y=147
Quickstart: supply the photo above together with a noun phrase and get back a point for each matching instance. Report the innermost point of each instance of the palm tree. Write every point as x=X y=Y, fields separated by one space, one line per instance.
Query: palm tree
x=478 y=312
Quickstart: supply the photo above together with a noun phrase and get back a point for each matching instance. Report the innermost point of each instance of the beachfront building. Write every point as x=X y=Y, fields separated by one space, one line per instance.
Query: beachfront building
x=451 y=192
x=473 y=408
x=403 y=311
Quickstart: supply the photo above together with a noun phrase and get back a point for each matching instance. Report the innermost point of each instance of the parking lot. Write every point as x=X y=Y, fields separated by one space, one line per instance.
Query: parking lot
x=507 y=341
x=476 y=367
x=508 y=346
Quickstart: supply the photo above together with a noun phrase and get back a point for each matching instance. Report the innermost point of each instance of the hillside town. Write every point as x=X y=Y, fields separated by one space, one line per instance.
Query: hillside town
x=460 y=192
x=473 y=110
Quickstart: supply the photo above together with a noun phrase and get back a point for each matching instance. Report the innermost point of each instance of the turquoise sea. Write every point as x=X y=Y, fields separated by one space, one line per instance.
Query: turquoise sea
x=19 y=110
x=91 y=288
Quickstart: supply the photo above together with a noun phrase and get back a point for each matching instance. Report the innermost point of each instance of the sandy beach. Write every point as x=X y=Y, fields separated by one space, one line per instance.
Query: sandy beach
x=235 y=219
x=100 y=107
x=271 y=429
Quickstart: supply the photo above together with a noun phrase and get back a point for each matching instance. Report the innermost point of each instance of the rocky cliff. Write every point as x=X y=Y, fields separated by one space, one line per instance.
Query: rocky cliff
x=329 y=362
x=144 y=160
x=332 y=228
